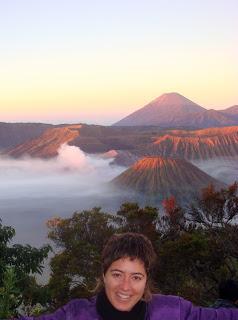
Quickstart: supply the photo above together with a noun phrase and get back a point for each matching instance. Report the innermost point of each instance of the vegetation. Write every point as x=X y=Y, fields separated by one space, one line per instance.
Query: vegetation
x=9 y=294
x=17 y=264
x=197 y=247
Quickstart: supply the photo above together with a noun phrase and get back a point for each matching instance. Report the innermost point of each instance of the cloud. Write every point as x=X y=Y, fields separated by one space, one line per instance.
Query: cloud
x=32 y=190
x=71 y=171
x=224 y=169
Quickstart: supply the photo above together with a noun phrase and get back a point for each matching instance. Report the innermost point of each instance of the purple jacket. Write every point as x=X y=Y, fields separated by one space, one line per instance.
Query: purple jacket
x=161 y=307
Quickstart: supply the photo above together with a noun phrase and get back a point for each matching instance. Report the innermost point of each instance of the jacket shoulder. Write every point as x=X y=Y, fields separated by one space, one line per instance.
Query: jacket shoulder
x=166 y=306
x=81 y=307
x=163 y=307
x=76 y=309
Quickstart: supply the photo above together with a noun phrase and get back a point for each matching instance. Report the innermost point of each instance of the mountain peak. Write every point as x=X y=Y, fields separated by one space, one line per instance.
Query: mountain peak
x=174 y=99
x=153 y=162
x=170 y=95
x=166 y=110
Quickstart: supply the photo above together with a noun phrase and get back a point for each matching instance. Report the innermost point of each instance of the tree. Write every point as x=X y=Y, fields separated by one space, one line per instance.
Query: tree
x=10 y=296
x=173 y=222
x=217 y=212
x=215 y=208
x=141 y=220
x=79 y=240
x=199 y=244
x=22 y=259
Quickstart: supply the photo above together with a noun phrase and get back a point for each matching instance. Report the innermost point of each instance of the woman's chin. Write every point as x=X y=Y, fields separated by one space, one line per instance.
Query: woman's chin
x=123 y=305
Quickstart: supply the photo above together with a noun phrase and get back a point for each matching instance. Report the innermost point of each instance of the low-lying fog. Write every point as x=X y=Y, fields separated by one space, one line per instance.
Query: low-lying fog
x=223 y=169
x=35 y=190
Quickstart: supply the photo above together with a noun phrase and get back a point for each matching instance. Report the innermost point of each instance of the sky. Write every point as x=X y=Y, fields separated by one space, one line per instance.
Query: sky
x=76 y=61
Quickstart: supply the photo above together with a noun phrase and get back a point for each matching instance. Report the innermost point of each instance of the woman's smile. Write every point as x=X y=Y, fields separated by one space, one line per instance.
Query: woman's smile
x=125 y=282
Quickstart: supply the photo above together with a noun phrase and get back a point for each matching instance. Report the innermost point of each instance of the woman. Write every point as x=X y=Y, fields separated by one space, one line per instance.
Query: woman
x=124 y=291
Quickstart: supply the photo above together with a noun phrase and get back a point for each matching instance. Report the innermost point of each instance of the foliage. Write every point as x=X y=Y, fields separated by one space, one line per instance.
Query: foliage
x=10 y=296
x=197 y=245
x=141 y=220
x=215 y=208
x=35 y=297
x=17 y=262
x=81 y=239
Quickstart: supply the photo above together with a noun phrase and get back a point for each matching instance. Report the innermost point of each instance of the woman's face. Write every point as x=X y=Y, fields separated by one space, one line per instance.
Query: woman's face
x=125 y=282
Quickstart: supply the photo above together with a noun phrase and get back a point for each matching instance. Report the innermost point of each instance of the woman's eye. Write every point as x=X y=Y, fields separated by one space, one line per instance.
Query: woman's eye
x=137 y=278
x=116 y=275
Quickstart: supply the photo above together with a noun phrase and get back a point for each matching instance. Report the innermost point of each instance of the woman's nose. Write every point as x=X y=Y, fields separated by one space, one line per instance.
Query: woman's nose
x=125 y=284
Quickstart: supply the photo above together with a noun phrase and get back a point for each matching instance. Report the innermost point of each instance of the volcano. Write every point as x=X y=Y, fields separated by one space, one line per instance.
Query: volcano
x=172 y=110
x=158 y=178
x=164 y=110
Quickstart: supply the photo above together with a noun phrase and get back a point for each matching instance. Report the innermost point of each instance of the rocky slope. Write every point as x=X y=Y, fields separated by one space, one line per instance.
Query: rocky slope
x=132 y=143
x=191 y=145
x=90 y=138
x=47 y=144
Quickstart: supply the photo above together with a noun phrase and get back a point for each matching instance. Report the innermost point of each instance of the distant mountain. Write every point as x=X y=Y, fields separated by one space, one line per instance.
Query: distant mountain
x=164 y=110
x=158 y=178
x=174 y=110
x=90 y=138
x=201 y=144
x=133 y=143
x=207 y=119
x=231 y=111
x=46 y=145
x=198 y=144
x=12 y=134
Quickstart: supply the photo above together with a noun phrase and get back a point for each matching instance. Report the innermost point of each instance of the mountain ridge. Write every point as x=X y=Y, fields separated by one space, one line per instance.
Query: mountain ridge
x=175 y=110
x=132 y=143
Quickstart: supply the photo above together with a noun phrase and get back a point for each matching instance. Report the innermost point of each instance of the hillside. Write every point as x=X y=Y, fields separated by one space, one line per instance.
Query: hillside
x=47 y=144
x=187 y=144
x=159 y=178
x=90 y=138
x=12 y=134
x=132 y=143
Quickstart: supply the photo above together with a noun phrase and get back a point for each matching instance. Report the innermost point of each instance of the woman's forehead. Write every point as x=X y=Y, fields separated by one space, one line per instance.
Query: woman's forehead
x=128 y=264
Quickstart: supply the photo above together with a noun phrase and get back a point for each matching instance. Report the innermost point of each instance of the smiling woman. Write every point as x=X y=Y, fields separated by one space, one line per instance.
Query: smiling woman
x=124 y=290
x=125 y=282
